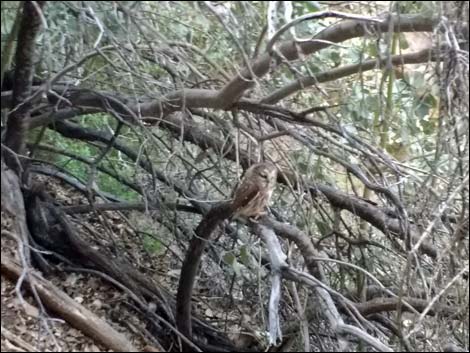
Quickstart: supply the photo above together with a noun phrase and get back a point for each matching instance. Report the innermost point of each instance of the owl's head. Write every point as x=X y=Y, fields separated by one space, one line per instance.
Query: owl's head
x=266 y=173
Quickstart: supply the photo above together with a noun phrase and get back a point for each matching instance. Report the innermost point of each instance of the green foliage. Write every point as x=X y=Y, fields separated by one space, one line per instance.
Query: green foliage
x=412 y=104
x=424 y=7
x=230 y=259
x=113 y=161
x=155 y=48
x=306 y=6
x=152 y=245
x=245 y=256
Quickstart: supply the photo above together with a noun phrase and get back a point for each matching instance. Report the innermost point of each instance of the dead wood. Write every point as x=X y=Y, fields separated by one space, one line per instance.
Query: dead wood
x=53 y=231
x=75 y=314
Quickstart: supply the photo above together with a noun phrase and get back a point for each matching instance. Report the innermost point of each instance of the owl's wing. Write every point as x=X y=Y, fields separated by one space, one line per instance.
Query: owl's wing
x=246 y=192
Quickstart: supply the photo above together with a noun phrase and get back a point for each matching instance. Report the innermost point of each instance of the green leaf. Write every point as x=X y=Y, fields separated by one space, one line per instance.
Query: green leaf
x=230 y=259
x=151 y=245
x=335 y=57
x=245 y=257
x=403 y=42
x=307 y=6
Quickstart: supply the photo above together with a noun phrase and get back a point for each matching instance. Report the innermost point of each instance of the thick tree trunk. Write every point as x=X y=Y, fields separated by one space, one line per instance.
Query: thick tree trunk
x=17 y=123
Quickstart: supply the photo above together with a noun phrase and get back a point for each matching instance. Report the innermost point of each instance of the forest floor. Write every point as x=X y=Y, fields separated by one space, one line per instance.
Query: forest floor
x=28 y=327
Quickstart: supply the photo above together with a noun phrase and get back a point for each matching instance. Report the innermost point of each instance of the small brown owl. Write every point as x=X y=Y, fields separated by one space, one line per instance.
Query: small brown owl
x=254 y=191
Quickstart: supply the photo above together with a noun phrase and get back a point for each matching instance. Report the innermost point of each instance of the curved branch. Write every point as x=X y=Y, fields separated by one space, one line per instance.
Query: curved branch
x=315 y=268
x=291 y=50
x=75 y=314
x=391 y=304
x=186 y=98
x=311 y=16
x=70 y=179
x=90 y=102
x=370 y=213
x=194 y=134
x=191 y=264
x=126 y=206
x=118 y=177
x=334 y=74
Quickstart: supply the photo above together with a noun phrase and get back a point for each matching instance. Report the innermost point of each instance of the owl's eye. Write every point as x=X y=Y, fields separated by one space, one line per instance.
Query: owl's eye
x=264 y=175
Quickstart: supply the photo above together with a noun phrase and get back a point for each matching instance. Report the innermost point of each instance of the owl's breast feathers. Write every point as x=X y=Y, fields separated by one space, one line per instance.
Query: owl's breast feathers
x=253 y=194
x=246 y=192
x=249 y=201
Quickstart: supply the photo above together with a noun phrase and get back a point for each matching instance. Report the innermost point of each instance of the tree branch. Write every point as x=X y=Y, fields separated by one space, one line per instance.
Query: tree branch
x=291 y=50
x=340 y=72
x=191 y=264
x=17 y=123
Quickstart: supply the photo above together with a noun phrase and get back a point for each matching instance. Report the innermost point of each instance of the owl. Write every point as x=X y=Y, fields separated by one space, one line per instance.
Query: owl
x=253 y=193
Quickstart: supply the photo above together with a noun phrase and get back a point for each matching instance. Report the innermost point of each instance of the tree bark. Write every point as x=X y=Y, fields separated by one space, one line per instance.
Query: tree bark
x=17 y=123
